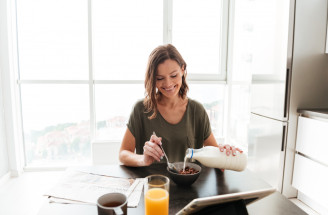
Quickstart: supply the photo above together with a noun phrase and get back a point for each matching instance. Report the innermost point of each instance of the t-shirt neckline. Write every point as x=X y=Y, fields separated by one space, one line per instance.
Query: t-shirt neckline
x=182 y=119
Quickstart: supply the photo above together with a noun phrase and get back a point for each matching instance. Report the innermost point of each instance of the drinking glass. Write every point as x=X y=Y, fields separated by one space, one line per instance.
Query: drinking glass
x=157 y=195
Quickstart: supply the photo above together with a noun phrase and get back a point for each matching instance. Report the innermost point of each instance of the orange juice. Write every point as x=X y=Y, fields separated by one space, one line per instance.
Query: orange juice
x=157 y=202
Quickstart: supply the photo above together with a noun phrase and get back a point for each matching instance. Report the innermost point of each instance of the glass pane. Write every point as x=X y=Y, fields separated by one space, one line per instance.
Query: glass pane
x=53 y=39
x=260 y=44
x=239 y=116
x=114 y=104
x=197 y=34
x=56 y=124
x=124 y=34
x=213 y=102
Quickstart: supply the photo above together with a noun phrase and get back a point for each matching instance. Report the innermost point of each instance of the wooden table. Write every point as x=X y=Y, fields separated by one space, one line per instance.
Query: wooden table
x=210 y=182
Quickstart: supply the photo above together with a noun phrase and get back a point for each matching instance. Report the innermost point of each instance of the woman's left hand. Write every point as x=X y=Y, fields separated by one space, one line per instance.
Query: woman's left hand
x=229 y=149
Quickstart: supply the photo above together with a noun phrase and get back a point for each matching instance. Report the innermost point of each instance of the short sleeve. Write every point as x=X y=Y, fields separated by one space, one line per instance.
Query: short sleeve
x=199 y=124
x=203 y=125
x=207 y=126
x=135 y=120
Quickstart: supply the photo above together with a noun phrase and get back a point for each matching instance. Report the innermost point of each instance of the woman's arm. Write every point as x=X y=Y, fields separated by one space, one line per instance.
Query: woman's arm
x=126 y=154
x=152 y=151
x=210 y=141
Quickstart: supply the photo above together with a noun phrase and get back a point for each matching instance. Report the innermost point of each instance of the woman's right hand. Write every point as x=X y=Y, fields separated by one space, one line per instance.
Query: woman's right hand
x=152 y=150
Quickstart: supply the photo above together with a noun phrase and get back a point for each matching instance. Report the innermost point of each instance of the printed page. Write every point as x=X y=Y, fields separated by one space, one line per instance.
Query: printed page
x=81 y=187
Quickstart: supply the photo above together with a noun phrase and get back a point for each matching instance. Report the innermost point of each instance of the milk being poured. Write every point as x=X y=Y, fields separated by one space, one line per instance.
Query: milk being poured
x=184 y=163
x=211 y=156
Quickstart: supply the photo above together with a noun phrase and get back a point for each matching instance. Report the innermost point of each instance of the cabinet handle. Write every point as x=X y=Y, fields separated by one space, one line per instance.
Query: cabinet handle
x=287 y=87
x=283 y=138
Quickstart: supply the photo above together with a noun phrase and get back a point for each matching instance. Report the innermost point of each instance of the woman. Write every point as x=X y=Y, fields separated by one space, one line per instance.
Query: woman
x=166 y=116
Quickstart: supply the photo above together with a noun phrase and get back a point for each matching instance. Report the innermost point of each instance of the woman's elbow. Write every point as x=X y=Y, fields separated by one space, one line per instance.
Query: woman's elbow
x=122 y=156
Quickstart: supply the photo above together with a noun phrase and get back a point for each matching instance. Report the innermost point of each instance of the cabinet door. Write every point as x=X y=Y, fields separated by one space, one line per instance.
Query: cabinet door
x=266 y=150
x=311 y=179
x=312 y=139
x=268 y=99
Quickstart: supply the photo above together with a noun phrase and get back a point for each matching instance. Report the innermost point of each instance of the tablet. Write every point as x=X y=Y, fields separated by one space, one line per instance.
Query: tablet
x=248 y=197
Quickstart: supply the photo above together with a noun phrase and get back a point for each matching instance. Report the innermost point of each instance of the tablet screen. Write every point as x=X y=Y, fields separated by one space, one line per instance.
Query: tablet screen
x=242 y=197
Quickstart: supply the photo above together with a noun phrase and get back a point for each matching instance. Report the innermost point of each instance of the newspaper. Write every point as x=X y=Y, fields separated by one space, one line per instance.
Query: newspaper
x=85 y=188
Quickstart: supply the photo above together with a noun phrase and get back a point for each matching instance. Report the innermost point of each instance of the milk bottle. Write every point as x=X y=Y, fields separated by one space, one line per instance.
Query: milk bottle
x=211 y=156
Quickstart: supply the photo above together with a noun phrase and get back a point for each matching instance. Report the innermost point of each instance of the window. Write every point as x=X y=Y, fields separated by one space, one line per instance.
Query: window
x=113 y=109
x=58 y=121
x=82 y=65
x=52 y=40
x=262 y=42
x=124 y=33
x=197 y=32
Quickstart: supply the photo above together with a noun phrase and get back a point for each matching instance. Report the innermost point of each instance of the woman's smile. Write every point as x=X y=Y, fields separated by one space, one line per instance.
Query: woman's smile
x=170 y=89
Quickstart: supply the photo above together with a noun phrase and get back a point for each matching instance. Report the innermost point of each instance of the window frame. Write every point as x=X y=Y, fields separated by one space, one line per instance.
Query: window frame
x=219 y=78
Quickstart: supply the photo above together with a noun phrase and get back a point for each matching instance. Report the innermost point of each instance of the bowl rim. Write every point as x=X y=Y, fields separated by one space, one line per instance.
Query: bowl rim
x=185 y=175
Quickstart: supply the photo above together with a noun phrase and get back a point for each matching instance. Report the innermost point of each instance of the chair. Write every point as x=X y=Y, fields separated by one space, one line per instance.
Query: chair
x=104 y=152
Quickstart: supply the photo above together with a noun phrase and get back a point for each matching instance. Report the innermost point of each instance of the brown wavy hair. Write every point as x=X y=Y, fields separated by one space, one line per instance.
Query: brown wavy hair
x=158 y=56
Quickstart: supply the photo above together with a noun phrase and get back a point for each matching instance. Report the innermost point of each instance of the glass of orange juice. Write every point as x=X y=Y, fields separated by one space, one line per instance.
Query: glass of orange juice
x=157 y=195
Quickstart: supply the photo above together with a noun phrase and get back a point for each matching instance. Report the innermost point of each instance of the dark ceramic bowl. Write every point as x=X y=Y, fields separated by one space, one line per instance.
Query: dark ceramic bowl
x=184 y=180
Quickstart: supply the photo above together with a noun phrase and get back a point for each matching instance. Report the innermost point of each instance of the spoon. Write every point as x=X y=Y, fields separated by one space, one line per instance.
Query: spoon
x=170 y=165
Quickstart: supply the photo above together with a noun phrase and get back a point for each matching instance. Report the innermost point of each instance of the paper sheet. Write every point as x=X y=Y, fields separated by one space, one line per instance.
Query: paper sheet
x=85 y=188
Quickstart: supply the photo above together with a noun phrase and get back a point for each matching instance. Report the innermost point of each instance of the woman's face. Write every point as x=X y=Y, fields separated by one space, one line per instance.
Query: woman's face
x=169 y=78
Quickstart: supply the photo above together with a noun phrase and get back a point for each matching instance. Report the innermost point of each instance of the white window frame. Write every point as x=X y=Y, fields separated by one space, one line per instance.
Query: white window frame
x=11 y=103
x=16 y=131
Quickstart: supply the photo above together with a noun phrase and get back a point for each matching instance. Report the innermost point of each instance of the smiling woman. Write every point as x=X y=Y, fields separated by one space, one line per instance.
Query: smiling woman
x=180 y=121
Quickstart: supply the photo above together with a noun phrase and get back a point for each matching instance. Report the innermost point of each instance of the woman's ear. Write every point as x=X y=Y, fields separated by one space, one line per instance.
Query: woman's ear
x=182 y=71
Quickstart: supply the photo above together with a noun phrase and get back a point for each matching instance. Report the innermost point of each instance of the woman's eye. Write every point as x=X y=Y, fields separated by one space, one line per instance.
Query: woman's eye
x=159 y=79
x=173 y=76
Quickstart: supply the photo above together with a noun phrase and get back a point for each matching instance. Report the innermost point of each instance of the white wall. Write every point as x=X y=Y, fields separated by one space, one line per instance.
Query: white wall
x=4 y=164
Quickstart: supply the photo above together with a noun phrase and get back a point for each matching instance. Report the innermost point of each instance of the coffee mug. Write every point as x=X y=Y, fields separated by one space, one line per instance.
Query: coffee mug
x=112 y=204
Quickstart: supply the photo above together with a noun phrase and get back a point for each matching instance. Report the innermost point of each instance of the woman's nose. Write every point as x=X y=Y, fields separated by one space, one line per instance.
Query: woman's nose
x=167 y=82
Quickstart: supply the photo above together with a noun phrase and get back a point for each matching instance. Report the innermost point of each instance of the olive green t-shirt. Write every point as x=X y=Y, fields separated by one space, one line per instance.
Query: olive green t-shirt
x=190 y=132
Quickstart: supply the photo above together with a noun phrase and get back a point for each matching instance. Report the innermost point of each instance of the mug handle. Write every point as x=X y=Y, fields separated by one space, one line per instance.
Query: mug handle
x=118 y=211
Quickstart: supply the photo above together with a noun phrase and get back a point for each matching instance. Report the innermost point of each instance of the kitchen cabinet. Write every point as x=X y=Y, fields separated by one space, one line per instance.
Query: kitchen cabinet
x=275 y=97
x=312 y=138
x=309 y=72
x=310 y=173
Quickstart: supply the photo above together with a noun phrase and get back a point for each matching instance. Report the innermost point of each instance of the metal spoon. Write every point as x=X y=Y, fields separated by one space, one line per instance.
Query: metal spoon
x=170 y=165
